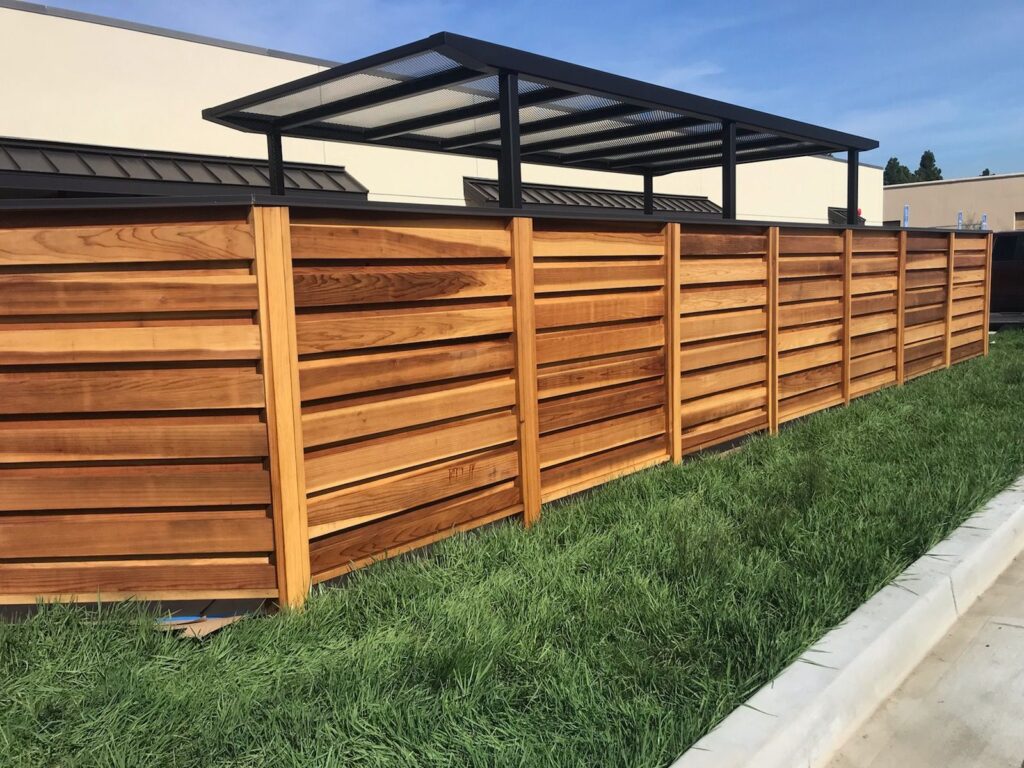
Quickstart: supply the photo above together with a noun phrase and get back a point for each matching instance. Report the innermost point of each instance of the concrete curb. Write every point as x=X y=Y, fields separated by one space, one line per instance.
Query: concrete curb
x=809 y=711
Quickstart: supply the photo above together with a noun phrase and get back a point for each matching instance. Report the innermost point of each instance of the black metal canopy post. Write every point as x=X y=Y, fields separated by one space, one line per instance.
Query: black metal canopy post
x=648 y=194
x=852 y=177
x=510 y=178
x=275 y=160
x=728 y=169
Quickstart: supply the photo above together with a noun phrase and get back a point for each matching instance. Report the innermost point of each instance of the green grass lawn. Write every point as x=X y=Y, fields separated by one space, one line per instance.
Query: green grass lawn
x=616 y=632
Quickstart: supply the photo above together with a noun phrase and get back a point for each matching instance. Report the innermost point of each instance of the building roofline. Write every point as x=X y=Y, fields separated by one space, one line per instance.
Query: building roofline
x=960 y=180
x=150 y=29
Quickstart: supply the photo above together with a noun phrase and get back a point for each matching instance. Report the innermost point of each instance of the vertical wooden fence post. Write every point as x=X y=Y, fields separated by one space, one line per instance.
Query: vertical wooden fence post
x=988 y=290
x=772 y=367
x=673 y=344
x=901 y=304
x=947 y=355
x=525 y=334
x=847 y=311
x=283 y=404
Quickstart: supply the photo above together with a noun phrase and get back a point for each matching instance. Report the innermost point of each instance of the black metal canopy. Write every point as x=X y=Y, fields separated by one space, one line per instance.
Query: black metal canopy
x=450 y=93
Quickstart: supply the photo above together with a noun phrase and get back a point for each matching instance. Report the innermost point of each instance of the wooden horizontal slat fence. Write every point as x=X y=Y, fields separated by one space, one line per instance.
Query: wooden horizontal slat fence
x=241 y=403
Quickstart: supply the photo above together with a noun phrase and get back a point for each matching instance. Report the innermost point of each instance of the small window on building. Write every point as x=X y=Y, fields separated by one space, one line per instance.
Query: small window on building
x=1018 y=220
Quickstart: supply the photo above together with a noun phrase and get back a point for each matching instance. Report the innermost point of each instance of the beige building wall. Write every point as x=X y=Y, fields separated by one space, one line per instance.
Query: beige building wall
x=937 y=203
x=71 y=80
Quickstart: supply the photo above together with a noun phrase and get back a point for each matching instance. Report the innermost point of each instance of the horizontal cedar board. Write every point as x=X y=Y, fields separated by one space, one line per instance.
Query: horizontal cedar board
x=815 y=244
x=709 y=382
x=873 y=265
x=119 y=292
x=926 y=278
x=810 y=312
x=203 y=241
x=925 y=296
x=570 y=444
x=872 y=382
x=562 y=243
x=332 y=377
x=559 y=311
x=968 y=322
x=700 y=327
x=804 y=290
x=922 y=365
x=556 y=346
x=927 y=242
x=875 y=242
x=573 y=410
x=404 y=410
x=718 y=406
x=126 y=439
x=927 y=260
x=451 y=241
x=865 y=324
x=109 y=487
x=874 y=342
x=862 y=366
x=130 y=390
x=922 y=332
x=128 y=345
x=920 y=315
x=797 y=338
x=135 y=533
x=377 y=538
x=866 y=305
x=806 y=381
x=721 y=244
x=694 y=271
x=591 y=374
x=332 y=332
x=712 y=298
x=810 y=266
x=801 y=360
x=132 y=578
x=338 y=286
x=965 y=351
x=725 y=429
x=966 y=306
x=873 y=284
x=377 y=456
x=553 y=277
x=968 y=337
x=390 y=495
x=927 y=348
x=575 y=476
x=816 y=400
x=968 y=276
x=968 y=291
x=712 y=353
x=968 y=260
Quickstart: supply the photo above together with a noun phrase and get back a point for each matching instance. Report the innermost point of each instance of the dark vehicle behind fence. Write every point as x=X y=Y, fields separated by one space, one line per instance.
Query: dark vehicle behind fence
x=1007 y=279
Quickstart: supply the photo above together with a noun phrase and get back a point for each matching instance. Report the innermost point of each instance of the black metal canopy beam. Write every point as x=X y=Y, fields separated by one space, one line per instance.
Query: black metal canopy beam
x=715 y=161
x=715 y=150
x=852 y=183
x=728 y=170
x=612 y=134
x=510 y=181
x=630 y=154
x=547 y=124
x=457 y=115
x=375 y=98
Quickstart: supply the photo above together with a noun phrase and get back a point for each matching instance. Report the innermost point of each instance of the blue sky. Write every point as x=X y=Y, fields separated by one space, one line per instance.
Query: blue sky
x=913 y=74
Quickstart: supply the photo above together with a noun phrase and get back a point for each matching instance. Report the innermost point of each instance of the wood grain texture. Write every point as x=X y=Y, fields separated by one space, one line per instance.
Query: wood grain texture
x=317 y=286
x=450 y=240
x=675 y=277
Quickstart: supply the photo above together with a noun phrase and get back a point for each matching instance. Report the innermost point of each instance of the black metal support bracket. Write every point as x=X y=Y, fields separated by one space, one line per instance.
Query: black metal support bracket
x=648 y=194
x=852 y=181
x=275 y=160
x=728 y=169
x=510 y=177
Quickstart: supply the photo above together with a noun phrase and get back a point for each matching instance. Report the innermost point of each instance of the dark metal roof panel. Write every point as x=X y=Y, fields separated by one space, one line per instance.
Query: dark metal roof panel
x=484 y=192
x=118 y=164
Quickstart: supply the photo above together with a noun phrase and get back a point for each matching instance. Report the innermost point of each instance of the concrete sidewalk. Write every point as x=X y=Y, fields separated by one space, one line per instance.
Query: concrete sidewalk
x=964 y=704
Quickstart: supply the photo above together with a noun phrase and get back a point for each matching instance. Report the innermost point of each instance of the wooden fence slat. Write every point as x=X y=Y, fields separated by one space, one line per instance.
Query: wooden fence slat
x=284 y=420
x=847 y=311
x=673 y=340
x=947 y=354
x=773 y=330
x=901 y=306
x=988 y=290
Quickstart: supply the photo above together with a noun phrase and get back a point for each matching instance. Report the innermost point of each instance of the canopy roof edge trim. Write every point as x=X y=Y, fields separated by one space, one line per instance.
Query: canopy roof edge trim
x=444 y=94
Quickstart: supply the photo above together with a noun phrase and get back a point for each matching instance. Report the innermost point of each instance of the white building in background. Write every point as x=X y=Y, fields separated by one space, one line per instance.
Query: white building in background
x=71 y=77
x=998 y=199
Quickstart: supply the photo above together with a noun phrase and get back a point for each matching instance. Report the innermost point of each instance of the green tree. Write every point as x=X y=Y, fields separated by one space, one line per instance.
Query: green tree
x=986 y=172
x=896 y=173
x=928 y=170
